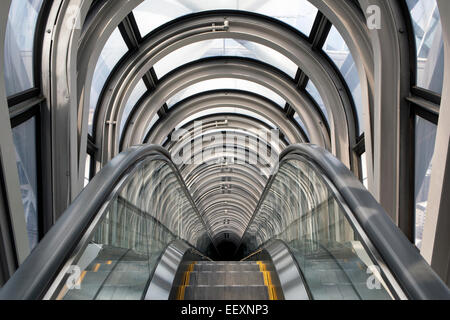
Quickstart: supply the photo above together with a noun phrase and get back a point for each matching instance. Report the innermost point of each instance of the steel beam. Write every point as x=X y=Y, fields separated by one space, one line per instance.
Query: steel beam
x=241 y=26
x=229 y=98
x=436 y=236
x=14 y=236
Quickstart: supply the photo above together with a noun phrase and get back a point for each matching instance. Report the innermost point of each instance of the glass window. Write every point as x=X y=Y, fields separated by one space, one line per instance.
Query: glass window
x=425 y=142
x=300 y=209
x=87 y=170
x=364 y=170
x=301 y=124
x=113 y=51
x=429 y=43
x=152 y=123
x=300 y=14
x=24 y=136
x=224 y=47
x=312 y=90
x=336 y=48
x=226 y=83
x=19 y=43
x=137 y=93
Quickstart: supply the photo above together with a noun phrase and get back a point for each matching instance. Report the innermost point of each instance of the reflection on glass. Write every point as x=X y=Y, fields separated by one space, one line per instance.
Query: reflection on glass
x=429 y=43
x=364 y=170
x=312 y=90
x=112 y=52
x=226 y=83
x=144 y=217
x=336 y=48
x=299 y=14
x=152 y=123
x=137 y=93
x=19 y=42
x=224 y=47
x=24 y=136
x=87 y=170
x=302 y=211
x=425 y=141
x=301 y=124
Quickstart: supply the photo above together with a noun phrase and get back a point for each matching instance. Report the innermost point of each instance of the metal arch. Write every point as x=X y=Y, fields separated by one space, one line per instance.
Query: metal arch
x=241 y=168
x=234 y=98
x=225 y=188
x=208 y=184
x=237 y=68
x=220 y=150
x=214 y=159
x=238 y=126
x=247 y=26
x=215 y=124
x=392 y=86
x=216 y=196
x=233 y=204
x=223 y=203
x=59 y=55
x=96 y=31
x=208 y=154
x=352 y=25
x=250 y=172
x=198 y=187
x=14 y=234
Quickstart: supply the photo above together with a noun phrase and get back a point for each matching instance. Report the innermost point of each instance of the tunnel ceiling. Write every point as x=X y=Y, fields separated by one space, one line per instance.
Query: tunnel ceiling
x=225 y=86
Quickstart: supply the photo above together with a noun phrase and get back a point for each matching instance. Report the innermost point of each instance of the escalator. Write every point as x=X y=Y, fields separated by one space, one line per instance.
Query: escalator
x=134 y=233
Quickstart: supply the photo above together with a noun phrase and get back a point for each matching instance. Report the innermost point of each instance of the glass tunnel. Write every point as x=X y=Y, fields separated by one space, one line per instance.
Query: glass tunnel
x=223 y=150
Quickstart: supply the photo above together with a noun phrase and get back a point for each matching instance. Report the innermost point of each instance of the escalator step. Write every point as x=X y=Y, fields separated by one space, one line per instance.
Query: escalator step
x=226 y=278
x=226 y=293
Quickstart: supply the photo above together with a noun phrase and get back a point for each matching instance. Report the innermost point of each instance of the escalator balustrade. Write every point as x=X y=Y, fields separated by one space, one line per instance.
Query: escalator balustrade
x=135 y=233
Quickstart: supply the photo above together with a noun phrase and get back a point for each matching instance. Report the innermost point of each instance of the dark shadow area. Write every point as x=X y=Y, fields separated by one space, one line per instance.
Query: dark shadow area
x=227 y=251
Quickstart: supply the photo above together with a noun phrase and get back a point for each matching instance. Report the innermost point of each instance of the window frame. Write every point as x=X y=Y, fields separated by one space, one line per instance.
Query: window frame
x=18 y=117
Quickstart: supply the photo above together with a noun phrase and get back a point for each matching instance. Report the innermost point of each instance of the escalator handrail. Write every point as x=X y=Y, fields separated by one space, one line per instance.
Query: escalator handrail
x=413 y=273
x=38 y=271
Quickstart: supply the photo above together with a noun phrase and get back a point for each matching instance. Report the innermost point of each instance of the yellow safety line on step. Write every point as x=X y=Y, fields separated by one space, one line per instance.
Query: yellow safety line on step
x=83 y=274
x=65 y=289
x=268 y=281
x=97 y=266
x=185 y=281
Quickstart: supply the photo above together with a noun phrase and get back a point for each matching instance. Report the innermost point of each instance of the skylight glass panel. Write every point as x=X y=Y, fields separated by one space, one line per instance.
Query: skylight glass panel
x=429 y=43
x=226 y=83
x=19 y=45
x=336 y=48
x=301 y=124
x=224 y=47
x=152 y=123
x=300 y=14
x=312 y=90
x=113 y=51
x=137 y=93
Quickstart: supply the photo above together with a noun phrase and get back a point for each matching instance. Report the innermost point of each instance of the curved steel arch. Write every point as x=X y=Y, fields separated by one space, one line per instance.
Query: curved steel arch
x=246 y=26
x=227 y=98
x=195 y=189
x=249 y=171
x=230 y=125
x=237 y=68
x=208 y=153
x=209 y=183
